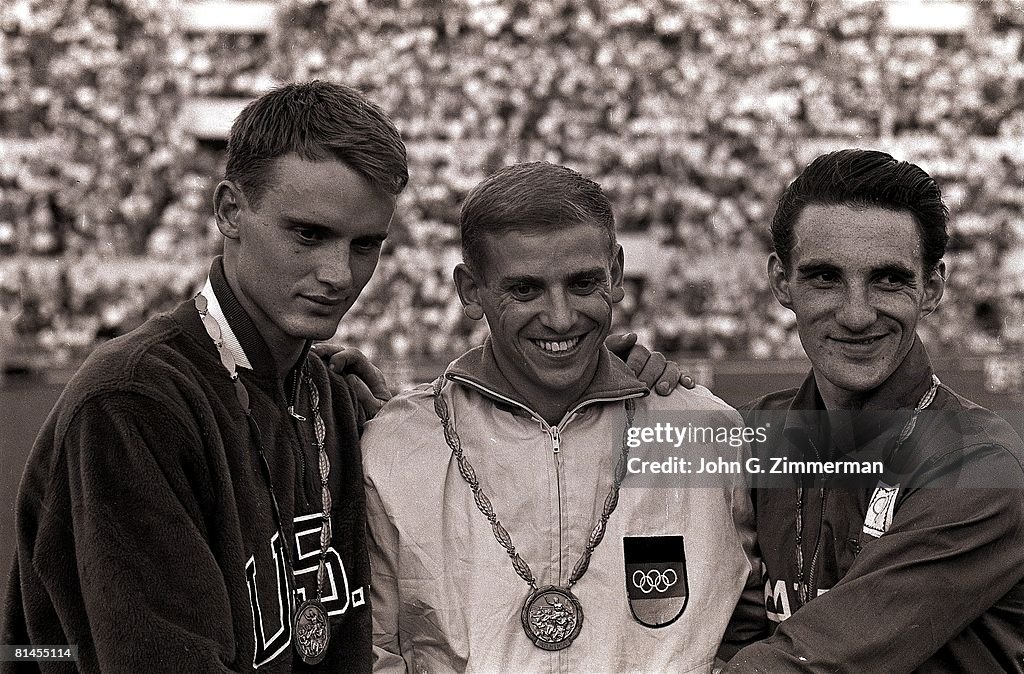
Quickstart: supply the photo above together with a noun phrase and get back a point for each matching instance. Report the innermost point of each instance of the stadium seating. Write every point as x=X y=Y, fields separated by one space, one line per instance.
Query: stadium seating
x=692 y=116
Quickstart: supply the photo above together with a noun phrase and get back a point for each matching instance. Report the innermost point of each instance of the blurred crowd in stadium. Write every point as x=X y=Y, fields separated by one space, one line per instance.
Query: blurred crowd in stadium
x=692 y=116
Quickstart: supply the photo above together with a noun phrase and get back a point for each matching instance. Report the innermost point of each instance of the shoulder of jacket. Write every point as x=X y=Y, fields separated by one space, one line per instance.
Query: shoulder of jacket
x=698 y=401
x=776 y=400
x=141 y=365
x=966 y=428
x=405 y=416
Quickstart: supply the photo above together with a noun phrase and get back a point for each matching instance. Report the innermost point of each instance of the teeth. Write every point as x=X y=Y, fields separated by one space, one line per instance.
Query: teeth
x=864 y=341
x=557 y=347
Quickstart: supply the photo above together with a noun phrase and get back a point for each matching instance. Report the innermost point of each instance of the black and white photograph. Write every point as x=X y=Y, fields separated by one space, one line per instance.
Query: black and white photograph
x=512 y=336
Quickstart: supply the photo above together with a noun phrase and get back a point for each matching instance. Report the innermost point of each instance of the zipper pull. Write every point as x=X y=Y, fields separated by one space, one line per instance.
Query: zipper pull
x=291 y=411
x=556 y=441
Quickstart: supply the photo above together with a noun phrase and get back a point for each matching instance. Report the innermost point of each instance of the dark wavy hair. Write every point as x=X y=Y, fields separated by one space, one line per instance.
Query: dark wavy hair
x=531 y=197
x=317 y=121
x=865 y=178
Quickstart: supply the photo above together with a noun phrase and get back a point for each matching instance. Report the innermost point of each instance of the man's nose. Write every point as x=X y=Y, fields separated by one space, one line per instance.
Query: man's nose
x=560 y=315
x=335 y=267
x=856 y=313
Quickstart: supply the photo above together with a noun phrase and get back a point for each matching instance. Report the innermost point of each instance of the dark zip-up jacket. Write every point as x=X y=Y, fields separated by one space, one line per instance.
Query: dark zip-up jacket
x=145 y=532
x=942 y=589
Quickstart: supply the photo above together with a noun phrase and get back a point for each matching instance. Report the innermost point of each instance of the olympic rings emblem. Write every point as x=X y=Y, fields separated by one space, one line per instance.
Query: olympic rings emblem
x=654 y=580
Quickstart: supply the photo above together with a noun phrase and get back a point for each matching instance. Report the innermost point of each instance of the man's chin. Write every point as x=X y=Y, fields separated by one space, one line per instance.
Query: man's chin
x=317 y=331
x=563 y=376
x=859 y=383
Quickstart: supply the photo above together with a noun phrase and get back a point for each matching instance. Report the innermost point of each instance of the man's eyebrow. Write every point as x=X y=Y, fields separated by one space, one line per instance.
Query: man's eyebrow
x=597 y=273
x=525 y=279
x=299 y=221
x=896 y=269
x=812 y=266
x=302 y=222
x=377 y=238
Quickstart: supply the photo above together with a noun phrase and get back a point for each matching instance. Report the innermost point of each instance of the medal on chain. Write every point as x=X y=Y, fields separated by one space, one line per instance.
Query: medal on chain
x=552 y=616
x=311 y=625
x=804 y=584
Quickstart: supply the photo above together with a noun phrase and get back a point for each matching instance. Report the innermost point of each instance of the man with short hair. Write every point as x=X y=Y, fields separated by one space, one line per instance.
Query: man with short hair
x=194 y=503
x=923 y=568
x=500 y=538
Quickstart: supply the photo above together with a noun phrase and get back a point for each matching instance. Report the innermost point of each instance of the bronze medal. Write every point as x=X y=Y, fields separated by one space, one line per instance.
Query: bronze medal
x=552 y=617
x=312 y=631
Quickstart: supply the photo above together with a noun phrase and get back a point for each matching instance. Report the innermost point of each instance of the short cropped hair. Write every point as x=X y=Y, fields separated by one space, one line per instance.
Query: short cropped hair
x=865 y=178
x=318 y=121
x=531 y=197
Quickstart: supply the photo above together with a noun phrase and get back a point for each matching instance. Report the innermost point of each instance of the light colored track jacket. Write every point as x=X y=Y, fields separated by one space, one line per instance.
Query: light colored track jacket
x=444 y=594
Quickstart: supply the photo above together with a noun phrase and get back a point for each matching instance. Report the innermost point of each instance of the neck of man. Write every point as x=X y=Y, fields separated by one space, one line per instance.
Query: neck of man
x=902 y=388
x=836 y=399
x=552 y=406
x=285 y=349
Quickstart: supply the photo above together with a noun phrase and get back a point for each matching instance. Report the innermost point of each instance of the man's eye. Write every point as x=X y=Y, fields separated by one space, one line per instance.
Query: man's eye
x=891 y=281
x=584 y=286
x=824 y=278
x=368 y=247
x=308 y=234
x=523 y=291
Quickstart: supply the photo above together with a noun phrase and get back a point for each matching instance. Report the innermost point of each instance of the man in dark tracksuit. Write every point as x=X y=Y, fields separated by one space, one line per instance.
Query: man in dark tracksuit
x=923 y=567
x=194 y=503
x=146 y=534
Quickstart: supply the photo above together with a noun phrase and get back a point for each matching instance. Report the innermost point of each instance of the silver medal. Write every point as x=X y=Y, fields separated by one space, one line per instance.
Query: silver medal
x=312 y=631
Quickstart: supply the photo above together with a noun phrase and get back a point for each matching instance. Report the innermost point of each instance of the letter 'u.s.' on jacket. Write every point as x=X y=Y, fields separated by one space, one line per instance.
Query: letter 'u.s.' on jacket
x=445 y=595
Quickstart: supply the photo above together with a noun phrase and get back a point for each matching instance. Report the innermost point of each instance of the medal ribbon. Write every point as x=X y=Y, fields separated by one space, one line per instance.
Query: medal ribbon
x=804 y=587
x=312 y=629
x=325 y=491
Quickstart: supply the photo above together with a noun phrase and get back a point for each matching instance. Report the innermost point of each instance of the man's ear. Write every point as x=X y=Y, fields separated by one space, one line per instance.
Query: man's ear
x=934 y=286
x=469 y=291
x=228 y=202
x=617 y=274
x=778 y=280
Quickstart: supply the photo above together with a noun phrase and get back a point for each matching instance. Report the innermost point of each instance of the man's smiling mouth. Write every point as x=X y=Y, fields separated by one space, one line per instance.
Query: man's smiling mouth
x=861 y=341
x=559 y=346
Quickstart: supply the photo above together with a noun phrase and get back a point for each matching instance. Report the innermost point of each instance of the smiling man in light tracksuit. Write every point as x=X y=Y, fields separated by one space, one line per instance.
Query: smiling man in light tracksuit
x=499 y=537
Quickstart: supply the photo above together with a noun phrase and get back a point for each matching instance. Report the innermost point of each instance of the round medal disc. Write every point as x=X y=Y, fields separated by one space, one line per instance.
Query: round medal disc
x=552 y=617
x=312 y=631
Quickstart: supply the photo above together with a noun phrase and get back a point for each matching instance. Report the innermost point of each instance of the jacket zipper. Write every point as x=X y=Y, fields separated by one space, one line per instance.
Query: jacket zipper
x=556 y=448
x=811 y=585
x=556 y=439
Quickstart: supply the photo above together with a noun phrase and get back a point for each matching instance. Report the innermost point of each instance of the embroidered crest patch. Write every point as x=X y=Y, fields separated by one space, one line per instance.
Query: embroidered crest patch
x=656 y=583
x=880 y=509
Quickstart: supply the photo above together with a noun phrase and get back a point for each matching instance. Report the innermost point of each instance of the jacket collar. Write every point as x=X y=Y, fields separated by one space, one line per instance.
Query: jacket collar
x=896 y=397
x=227 y=334
x=478 y=369
x=243 y=329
